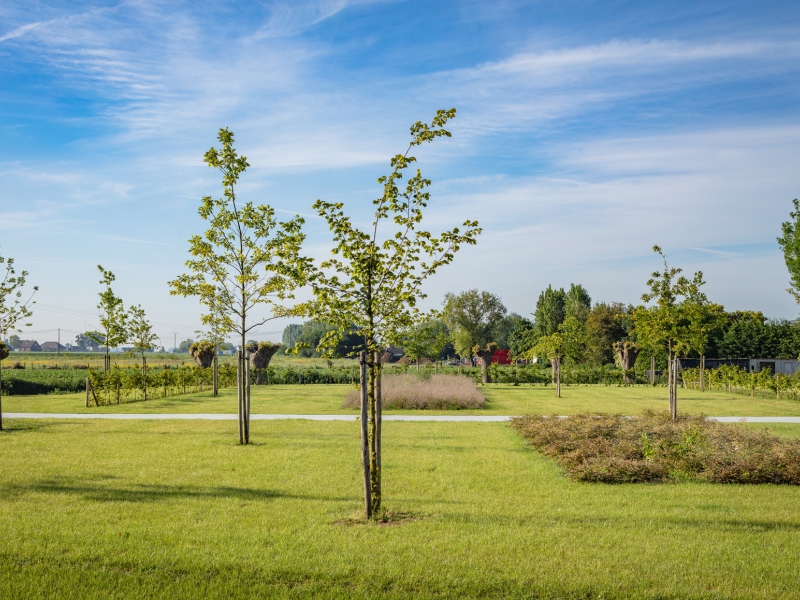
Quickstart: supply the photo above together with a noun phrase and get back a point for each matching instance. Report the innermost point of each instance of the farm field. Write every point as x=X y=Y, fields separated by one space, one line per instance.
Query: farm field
x=503 y=400
x=179 y=510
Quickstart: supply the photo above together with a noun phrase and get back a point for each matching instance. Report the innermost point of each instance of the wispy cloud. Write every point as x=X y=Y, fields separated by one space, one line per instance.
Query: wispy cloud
x=19 y=31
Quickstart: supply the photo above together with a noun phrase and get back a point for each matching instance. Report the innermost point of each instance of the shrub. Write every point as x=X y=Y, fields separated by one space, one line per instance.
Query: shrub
x=653 y=447
x=436 y=392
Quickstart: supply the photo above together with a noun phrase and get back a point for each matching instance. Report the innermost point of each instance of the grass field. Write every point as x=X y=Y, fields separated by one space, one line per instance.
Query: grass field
x=178 y=510
x=503 y=400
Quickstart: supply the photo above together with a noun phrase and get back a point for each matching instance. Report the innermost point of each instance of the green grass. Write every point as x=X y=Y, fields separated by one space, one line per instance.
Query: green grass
x=503 y=400
x=178 y=510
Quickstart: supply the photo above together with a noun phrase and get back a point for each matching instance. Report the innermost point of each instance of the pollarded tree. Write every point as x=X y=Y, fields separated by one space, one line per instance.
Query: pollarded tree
x=472 y=318
x=113 y=318
x=790 y=244
x=373 y=282
x=15 y=309
x=245 y=260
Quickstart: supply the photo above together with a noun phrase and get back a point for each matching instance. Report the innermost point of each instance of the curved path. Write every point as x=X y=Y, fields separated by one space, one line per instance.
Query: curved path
x=256 y=417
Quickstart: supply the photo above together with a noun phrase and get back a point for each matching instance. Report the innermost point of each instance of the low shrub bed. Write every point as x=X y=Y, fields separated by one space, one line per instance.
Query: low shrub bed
x=653 y=447
x=435 y=392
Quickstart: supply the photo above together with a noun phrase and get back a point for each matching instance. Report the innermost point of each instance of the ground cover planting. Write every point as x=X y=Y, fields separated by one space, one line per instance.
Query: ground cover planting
x=435 y=392
x=179 y=510
x=654 y=447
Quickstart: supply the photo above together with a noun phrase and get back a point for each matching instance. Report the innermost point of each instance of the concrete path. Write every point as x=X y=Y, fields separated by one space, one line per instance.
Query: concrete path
x=255 y=417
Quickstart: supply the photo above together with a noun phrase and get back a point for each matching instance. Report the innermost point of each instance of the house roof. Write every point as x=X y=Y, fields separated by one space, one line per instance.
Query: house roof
x=23 y=344
x=52 y=346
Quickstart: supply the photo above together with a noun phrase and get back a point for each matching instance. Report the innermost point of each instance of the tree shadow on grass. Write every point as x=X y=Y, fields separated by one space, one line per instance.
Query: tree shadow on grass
x=97 y=491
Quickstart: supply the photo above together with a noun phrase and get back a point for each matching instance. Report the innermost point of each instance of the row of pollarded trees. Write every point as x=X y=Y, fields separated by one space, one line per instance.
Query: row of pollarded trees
x=247 y=260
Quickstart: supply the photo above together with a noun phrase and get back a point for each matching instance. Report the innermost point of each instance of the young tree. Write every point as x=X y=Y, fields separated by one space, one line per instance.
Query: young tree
x=550 y=311
x=790 y=244
x=140 y=332
x=15 y=309
x=113 y=319
x=472 y=318
x=666 y=324
x=244 y=261
x=372 y=284
x=14 y=342
x=567 y=342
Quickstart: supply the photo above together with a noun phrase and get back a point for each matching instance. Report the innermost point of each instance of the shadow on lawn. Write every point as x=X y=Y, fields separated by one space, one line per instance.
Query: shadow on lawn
x=98 y=492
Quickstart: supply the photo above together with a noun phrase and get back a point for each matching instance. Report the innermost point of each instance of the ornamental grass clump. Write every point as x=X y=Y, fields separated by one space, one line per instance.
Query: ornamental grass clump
x=653 y=447
x=437 y=392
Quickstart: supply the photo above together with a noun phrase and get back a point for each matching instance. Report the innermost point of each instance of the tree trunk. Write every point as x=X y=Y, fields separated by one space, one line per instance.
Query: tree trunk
x=216 y=377
x=365 y=436
x=653 y=370
x=144 y=377
x=375 y=485
x=1 y=395
x=87 y=392
x=702 y=373
x=247 y=398
x=675 y=388
x=240 y=393
x=558 y=376
x=379 y=423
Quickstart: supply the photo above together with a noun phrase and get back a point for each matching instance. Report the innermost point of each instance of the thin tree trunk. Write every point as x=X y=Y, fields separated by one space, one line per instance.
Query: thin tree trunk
x=702 y=373
x=144 y=376
x=379 y=423
x=373 y=438
x=365 y=436
x=216 y=376
x=653 y=370
x=87 y=392
x=240 y=393
x=247 y=397
x=674 y=388
x=555 y=367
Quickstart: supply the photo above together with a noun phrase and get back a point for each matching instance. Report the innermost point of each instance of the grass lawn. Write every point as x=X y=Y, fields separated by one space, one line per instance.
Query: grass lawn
x=178 y=510
x=503 y=400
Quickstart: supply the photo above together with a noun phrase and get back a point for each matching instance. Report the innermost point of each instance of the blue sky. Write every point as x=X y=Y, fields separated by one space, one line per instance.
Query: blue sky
x=586 y=133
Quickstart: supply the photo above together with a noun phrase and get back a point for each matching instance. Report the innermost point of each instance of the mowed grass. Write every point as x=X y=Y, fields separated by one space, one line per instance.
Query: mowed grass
x=502 y=400
x=179 y=510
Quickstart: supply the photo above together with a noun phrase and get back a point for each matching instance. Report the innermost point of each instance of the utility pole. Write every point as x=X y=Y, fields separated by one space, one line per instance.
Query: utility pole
x=175 y=342
x=58 y=343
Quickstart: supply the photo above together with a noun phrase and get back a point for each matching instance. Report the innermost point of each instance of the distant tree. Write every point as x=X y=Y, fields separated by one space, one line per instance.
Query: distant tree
x=14 y=342
x=113 y=318
x=84 y=342
x=15 y=308
x=140 y=332
x=521 y=338
x=485 y=354
x=604 y=327
x=245 y=260
x=183 y=347
x=290 y=335
x=472 y=318
x=567 y=342
x=502 y=331
x=550 y=311
x=372 y=284
x=424 y=340
x=311 y=334
x=577 y=302
x=790 y=244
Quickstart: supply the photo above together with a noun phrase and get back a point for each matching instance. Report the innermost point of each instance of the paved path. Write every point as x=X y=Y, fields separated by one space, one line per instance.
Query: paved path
x=255 y=417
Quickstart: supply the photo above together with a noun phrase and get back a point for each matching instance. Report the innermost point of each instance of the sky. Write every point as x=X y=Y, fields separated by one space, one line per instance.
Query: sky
x=586 y=132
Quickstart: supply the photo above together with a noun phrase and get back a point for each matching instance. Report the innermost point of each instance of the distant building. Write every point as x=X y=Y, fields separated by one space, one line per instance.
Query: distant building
x=52 y=347
x=29 y=346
